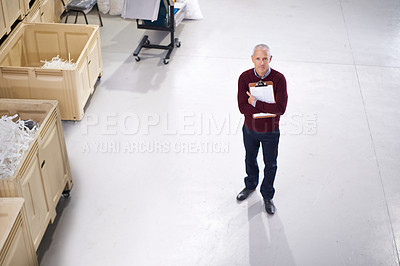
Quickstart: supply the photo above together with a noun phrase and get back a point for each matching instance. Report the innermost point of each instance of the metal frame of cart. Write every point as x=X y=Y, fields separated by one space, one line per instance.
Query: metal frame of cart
x=170 y=27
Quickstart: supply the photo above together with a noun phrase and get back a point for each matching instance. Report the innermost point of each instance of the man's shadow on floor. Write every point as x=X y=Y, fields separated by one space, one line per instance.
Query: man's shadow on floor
x=268 y=242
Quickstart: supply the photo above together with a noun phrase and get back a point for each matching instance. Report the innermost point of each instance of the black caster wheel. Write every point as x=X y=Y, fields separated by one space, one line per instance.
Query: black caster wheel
x=66 y=194
x=137 y=58
x=147 y=42
x=178 y=44
x=166 y=61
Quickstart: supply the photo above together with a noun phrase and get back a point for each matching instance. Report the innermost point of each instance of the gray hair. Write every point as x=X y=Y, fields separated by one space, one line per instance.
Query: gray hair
x=263 y=47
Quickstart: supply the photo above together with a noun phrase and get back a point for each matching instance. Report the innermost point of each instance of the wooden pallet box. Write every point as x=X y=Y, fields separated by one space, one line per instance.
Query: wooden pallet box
x=44 y=11
x=22 y=75
x=44 y=171
x=16 y=247
x=10 y=11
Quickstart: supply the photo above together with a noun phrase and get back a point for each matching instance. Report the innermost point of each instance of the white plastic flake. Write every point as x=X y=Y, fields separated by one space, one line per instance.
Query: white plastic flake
x=59 y=63
x=15 y=138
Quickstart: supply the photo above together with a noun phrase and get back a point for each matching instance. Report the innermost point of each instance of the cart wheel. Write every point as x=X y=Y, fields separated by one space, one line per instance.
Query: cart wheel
x=147 y=42
x=166 y=61
x=66 y=194
x=178 y=44
x=137 y=58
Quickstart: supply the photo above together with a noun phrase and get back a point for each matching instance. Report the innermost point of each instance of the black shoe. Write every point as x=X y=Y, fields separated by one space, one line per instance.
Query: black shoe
x=244 y=194
x=269 y=206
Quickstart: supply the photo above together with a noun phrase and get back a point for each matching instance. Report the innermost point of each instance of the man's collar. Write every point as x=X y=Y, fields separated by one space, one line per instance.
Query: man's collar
x=266 y=74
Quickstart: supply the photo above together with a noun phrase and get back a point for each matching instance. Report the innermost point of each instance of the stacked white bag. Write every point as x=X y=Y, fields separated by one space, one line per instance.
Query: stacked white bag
x=192 y=9
x=104 y=6
x=112 y=6
x=116 y=7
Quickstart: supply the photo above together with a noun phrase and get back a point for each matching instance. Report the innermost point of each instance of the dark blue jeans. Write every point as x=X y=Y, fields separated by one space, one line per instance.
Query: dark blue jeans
x=269 y=142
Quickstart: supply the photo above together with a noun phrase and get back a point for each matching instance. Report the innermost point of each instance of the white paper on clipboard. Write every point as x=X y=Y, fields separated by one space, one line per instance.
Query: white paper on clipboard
x=264 y=94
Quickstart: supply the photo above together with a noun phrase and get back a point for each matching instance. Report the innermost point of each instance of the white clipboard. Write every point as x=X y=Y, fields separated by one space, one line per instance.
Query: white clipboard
x=263 y=91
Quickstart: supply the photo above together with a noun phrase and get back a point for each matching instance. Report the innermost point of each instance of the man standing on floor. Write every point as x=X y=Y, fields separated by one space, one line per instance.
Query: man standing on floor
x=261 y=130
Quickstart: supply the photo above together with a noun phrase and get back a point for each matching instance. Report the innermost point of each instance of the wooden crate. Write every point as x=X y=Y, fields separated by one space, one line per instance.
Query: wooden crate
x=16 y=247
x=43 y=11
x=22 y=77
x=25 y=7
x=58 y=10
x=44 y=172
x=34 y=14
x=10 y=11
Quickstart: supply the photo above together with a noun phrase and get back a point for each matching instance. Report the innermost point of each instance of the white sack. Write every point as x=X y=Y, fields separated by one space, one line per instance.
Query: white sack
x=116 y=7
x=192 y=9
x=104 y=6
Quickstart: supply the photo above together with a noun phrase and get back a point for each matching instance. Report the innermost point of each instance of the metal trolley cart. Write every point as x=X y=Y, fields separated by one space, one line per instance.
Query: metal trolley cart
x=169 y=16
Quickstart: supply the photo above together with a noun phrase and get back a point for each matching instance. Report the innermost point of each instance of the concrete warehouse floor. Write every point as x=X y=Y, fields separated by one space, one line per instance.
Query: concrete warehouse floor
x=158 y=159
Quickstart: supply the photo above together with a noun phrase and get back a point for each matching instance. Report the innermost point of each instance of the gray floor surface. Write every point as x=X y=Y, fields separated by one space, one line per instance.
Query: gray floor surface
x=158 y=159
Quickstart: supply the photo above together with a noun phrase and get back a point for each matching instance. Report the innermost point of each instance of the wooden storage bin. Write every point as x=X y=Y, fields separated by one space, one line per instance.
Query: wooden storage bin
x=25 y=6
x=58 y=10
x=34 y=13
x=22 y=77
x=10 y=11
x=44 y=172
x=43 y=11
x=16 y=247
x=47 y=11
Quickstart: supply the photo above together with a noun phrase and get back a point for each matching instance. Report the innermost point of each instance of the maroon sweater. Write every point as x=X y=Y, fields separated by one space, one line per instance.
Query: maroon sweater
x=278 y=108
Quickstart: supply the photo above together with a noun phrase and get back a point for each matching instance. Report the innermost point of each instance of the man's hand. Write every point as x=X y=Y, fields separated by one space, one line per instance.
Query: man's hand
x=251 y=99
